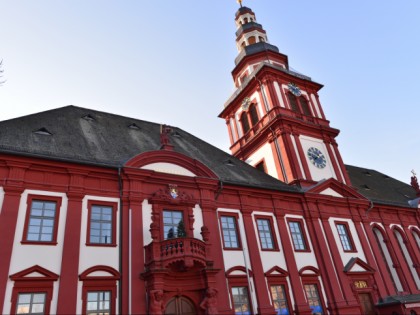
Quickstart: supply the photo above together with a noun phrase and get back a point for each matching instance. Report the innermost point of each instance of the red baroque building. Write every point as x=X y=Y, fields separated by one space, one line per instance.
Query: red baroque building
x=103 y=214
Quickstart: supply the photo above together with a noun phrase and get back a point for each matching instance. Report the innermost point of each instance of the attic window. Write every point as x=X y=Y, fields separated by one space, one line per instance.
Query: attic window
x=134 y=126
x=42 y=131
x=365 y=187
x=176 y=134
x=88 y=117
x=229 y=162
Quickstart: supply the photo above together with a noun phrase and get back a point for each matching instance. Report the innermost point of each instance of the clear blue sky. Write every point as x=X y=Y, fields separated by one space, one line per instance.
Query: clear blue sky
x=170 y=62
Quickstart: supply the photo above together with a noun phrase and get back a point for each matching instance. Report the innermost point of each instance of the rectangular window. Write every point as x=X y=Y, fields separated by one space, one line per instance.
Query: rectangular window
x=298 y=238
x=266 y=236
x=312 y=295
x=31 y=303
x=173 y=224
x=41 y=221
x=344 y=235
x=101 y=223
x=98 y=303
x=241 y=301
x=278 y=295
x=230 y=232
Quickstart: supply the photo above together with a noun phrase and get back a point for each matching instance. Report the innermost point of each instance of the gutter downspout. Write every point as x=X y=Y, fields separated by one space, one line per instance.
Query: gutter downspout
x=251 y=287
x=120 y=291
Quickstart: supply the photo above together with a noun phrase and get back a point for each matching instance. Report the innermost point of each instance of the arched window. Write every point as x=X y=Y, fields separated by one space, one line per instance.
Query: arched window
x=388 y=259
x=406 y=253
x=261 y=39
x=252 y=40
x=246 y=20
x=304 y=105
x=416 y=236
x=244 y=123
x=254 y=114
x=293 y=102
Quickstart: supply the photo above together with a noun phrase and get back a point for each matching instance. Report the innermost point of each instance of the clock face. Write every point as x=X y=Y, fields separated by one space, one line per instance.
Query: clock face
x=245 y=103
x=316 y=157
x=294 y=89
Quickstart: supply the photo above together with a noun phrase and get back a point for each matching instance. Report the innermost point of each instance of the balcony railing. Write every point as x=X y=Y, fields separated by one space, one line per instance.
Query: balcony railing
x=186 y=250
x=272 y=115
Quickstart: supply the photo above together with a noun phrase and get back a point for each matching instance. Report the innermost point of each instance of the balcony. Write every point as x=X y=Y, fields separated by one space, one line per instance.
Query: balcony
x=274 y=115
x=177 y=253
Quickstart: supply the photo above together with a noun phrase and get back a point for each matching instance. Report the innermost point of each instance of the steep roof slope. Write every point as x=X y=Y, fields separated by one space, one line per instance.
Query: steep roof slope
x=82 y=135
x=380 y=188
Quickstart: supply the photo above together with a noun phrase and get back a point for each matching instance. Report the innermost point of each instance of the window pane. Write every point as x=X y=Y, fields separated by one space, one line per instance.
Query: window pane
x=344 y=237
x=279 y=299
x=41 y=221
x=264 y=231
x=171 y=222
x=230 y=235
x=297 y=236
x=24 y=298
x=101 y=225
x=30 y=303
x=314 y=301
x=98 y=302
x=240 y=300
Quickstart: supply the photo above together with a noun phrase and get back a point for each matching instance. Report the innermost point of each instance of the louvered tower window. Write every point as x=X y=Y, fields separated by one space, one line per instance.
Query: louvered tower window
x=293 y=102
x=304 y=105
x=254 y=115
x=244 y=123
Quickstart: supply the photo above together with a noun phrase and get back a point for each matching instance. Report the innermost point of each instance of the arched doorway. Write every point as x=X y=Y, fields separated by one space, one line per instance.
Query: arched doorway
x=180 y=305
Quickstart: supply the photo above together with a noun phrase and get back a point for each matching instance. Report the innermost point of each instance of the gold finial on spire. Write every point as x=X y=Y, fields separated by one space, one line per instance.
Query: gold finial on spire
x=240 y=2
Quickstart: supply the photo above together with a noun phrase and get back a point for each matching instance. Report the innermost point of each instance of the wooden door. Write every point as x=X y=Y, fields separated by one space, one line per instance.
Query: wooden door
x=180 y=306
x=367 y=304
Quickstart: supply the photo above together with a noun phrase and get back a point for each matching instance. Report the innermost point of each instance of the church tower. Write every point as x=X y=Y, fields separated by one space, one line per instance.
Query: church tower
x=274 y=118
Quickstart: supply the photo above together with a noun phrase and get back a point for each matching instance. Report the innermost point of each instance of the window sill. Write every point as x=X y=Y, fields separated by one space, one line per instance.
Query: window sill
x=53 y=243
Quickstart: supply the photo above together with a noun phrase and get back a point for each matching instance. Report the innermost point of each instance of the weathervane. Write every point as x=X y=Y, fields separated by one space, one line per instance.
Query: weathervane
x=240 y=2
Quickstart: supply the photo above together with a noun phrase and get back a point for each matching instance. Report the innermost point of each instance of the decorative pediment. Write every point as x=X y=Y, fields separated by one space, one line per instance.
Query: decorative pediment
x=276 y=271
x=170 y=162
x=332 y=187
x=238 y=271
x=308 y=271
x=357 y=266
x=34 y=273
x=100 y=273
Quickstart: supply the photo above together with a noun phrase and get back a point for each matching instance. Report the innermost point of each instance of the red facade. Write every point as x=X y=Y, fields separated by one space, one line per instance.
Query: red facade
x=159 y=222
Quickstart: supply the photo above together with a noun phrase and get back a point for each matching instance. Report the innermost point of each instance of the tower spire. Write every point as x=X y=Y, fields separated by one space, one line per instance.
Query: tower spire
x=240 y=2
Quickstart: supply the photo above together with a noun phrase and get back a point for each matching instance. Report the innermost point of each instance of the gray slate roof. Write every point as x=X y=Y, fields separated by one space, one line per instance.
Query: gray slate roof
x=380 y=188
x=82 y=135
